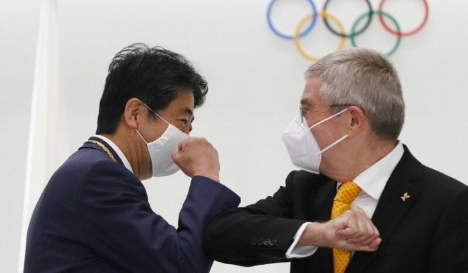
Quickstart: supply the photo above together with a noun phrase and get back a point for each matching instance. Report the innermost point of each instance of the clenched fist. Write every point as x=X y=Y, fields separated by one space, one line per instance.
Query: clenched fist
x=196 y=156
x=352 y=231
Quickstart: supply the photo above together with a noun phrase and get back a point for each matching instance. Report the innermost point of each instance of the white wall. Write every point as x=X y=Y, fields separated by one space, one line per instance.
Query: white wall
x=18 y=36
x=255 y=82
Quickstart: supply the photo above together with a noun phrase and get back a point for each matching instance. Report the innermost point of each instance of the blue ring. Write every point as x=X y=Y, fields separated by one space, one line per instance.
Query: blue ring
x=312 y=23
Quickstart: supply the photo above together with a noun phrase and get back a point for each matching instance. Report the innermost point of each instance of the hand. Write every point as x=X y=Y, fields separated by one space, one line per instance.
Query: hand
x=351 y=231
x=355 y=231
x=196 y=156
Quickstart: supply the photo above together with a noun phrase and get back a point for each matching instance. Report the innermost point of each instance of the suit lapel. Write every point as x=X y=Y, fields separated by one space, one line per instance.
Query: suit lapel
x=322 y=206
x=324 y=201
x=397 y=198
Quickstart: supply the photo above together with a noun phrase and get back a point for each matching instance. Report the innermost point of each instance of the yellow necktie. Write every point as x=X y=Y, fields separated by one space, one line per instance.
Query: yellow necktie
x=341 y=203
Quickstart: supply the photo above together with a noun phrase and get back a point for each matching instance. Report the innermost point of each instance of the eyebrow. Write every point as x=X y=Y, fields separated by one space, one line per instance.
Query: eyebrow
x=187 y=111
x=304 y=102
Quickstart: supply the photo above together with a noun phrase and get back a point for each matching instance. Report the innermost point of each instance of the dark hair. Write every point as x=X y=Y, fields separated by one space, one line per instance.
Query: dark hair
x=153 y=75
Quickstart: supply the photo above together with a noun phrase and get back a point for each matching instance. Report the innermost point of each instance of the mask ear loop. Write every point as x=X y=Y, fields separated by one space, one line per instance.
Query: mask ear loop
x=141 y=136
x=334 y=143
x=331 y=145
x=330 y=117
x=299 y=121
x=156 y=113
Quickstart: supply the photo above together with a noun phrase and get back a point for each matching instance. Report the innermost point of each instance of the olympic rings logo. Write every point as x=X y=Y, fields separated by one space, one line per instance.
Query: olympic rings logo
x=396 y=30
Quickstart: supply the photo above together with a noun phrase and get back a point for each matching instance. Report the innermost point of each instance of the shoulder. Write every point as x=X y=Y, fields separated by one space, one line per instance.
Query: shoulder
x=441 y=183
x=304 y=185
x=84 y=159
x=305 y=180
x=92 y=168
x=88 y=159
x=427 y=179
x=73 y=171
x=112 y=177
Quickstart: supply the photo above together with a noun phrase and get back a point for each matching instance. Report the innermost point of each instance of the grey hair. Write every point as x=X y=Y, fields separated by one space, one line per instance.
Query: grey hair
x=367 y=79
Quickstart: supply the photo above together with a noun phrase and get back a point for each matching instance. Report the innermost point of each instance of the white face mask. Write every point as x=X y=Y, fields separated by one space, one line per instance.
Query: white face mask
x=161 y=149
x=302 y=146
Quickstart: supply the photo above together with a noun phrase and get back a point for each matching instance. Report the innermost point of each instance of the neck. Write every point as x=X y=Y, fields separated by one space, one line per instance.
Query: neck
x=132 y=148
x=357 y=160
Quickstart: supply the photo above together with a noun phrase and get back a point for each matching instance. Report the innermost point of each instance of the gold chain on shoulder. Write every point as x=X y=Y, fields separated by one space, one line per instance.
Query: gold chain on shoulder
x=104 y=148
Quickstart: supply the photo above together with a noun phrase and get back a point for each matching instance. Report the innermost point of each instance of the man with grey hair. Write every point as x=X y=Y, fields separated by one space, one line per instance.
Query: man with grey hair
x=345 y=140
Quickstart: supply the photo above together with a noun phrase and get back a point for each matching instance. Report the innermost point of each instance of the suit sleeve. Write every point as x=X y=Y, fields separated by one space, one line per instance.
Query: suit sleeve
x=257 y=234
x=120 y=225
x=449 y=251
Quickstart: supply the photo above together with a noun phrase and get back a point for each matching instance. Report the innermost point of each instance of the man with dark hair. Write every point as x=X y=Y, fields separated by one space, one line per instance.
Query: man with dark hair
x=345 y=141
x=94 y=215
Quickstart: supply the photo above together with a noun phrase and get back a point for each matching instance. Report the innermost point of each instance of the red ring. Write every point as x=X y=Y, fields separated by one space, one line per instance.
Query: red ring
x=401 y=34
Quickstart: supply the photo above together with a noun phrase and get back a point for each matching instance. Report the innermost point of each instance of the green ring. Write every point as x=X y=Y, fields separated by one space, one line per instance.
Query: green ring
x=353 y=33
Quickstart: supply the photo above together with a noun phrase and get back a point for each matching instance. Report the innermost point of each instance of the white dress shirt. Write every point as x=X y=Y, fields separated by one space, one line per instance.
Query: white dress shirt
x=372 y=183
x=118 y=151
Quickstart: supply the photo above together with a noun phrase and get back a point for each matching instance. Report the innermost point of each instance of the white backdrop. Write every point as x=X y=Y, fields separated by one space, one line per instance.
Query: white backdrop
x=255 y=81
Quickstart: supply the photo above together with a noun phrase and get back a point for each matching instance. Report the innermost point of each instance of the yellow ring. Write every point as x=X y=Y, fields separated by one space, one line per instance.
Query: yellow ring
x=309 y=17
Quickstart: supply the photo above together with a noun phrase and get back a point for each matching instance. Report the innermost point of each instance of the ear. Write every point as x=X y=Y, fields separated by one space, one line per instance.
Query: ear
x=133 y=112
x=357 y=121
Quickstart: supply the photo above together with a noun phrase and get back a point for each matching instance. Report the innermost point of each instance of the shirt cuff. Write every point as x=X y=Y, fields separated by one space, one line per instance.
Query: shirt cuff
x=300 y=251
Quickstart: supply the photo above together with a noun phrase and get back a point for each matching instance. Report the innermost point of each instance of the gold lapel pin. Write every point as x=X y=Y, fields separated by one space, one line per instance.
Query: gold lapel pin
x=405 y=196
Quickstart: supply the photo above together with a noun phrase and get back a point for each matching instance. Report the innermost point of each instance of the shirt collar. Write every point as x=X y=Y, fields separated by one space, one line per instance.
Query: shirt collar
x=118 y=151
x=373 y=180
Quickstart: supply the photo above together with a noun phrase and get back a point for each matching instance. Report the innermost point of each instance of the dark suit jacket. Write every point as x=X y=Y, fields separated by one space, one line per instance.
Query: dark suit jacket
x=426 y=233
x=94 y=216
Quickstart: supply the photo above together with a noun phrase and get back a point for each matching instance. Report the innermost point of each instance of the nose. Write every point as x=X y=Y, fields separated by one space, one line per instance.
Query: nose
x=187 y=129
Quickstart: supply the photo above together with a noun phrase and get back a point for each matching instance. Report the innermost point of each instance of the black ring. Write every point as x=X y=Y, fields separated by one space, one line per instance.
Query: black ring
x=325 y=20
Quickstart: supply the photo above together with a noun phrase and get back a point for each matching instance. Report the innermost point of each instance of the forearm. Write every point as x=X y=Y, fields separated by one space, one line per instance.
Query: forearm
x=351 y=230
x=119 y=224
x=205 y=200
x=314 y=235
x=246 y=238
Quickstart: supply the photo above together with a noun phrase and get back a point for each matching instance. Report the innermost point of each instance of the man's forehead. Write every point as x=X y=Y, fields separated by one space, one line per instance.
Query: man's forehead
x=184 y=102
x=186 y=110
x=311 y=93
